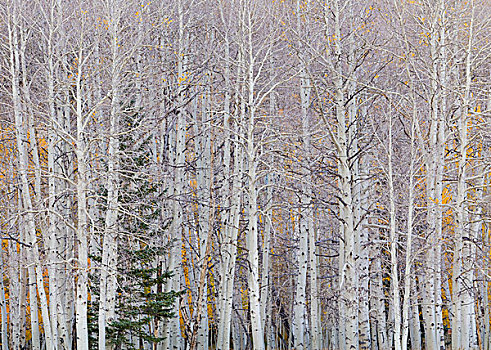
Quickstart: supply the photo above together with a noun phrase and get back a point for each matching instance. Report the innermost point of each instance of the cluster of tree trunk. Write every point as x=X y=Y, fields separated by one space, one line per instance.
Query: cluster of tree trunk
x=245 y=174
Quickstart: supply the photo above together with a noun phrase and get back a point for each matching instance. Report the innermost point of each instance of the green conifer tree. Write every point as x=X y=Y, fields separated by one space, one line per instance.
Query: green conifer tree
x=141 y=302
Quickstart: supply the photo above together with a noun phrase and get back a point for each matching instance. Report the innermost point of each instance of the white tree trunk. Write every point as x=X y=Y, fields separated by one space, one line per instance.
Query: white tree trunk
x=107 y=289
x=266 y=304
x=173 y=337
x=252 y=209
x=394 y=280
x=14 y=289
x=432 y=295
x=230 y=216
x=378 y=303
x=361 y=198
x=463 y=327
x=408 y=277
x=3 y=305
x=82 y=219
x=300 y=301
x=203 y=176
x=348 y=304
x=33 y=306
x=252 y=236
x=230 y=253
x=21 y=124
x=27 y=113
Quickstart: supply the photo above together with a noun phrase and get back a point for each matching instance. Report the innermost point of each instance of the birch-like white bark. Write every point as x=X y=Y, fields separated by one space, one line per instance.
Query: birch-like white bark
x=203 y=193
x=65 y=166
x=14 y=272
x=462 y=300
x=54 y=170
x=378 y=303
x=81 y=299
x=230 y=254
x=394 y=280
x=347 y=303
x=223 y=337
x=14 y=289
x=252 y=209
x=172 y=333
x=410 y=313
x=27 y=113
x=305 y=221
x=406 y=307
x=107 y=288
x=266 y=305
x=3 y=305
x=440 y=167
x=21 y=125
x=361 y=194
x=266 y=296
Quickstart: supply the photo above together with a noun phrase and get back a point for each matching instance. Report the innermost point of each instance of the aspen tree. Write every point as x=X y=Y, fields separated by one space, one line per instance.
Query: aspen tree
x=407 y=319
x=14 y=289
x=226 y=167
x=266 y=273
x=204 y=226
x=347 y=302
x=21 y=124
x=380 y=336
x=231 y=229
x=233 y=175
x=394 y=280
x=27 y=112
x=250 y=153
x=14 y=271
x=54 y=170
x=362 y=205
x=172 y=332
x=109 y=249
x=33 y=303
x=306 y=225
x=266 y=305
x=3 y=305
x=294 y=235
x=463 y=327
x=410 y=314
x=257 y=42
x=82 y=55
x=255 y=59
x=434 y=163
